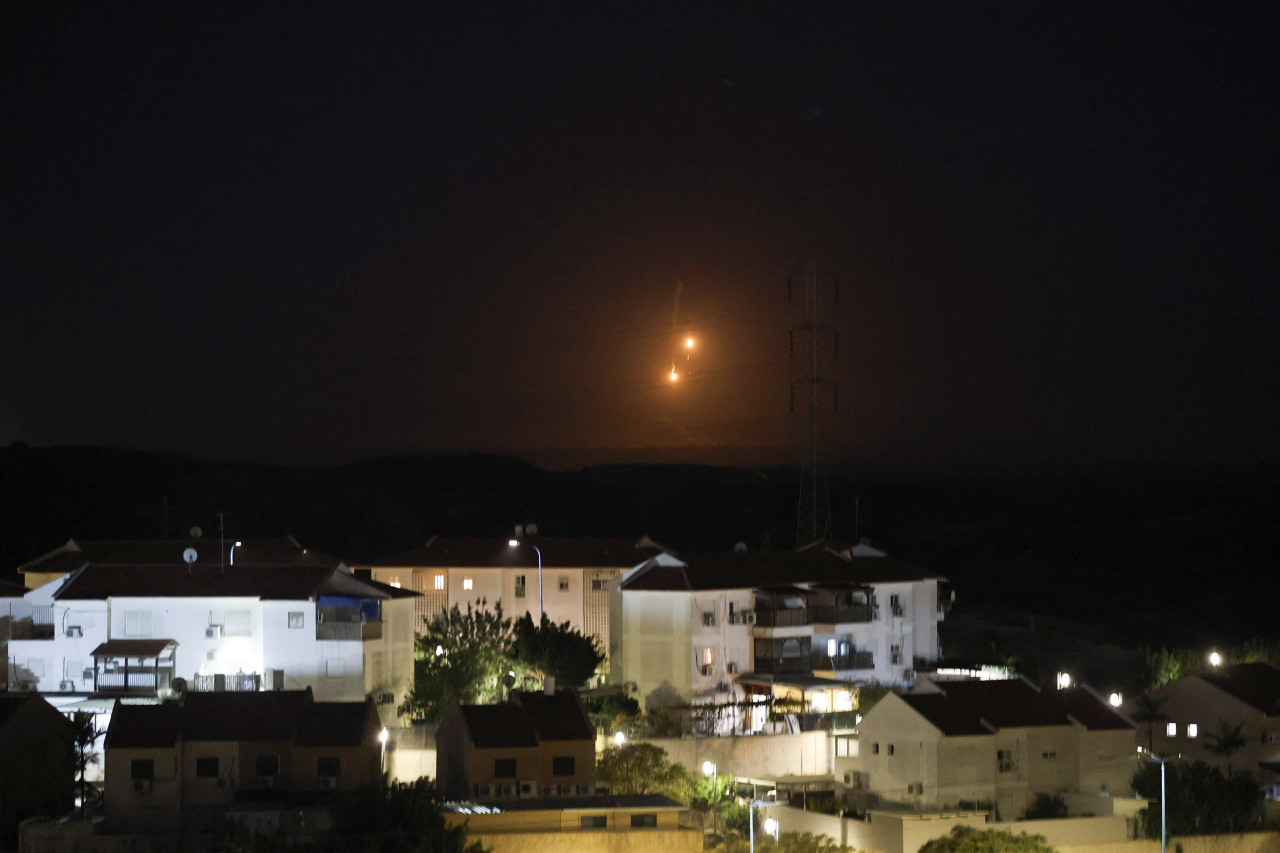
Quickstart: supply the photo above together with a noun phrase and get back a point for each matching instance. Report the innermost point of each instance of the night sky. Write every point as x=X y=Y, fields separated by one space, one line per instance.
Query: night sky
x=275 y=233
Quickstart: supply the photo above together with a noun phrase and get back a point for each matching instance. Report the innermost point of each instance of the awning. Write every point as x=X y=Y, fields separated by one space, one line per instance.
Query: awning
x=133 y=648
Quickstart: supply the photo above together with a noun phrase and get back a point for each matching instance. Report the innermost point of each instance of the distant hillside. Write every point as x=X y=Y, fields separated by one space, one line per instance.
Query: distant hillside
x=1158 y=556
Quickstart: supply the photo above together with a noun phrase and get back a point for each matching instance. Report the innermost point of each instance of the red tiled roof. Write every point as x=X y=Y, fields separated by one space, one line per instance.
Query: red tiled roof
x=1255 y=684
x=734 y=570
x=1089 y=709
x=557 y=553
x=285 y=583
x=558 y=717
x=498 y=726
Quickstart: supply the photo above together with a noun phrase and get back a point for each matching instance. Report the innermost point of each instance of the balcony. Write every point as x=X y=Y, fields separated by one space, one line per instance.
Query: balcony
x=852 y=660
x=240 y=682
x=783 y=618
x=782 y=666
x=346 y=623
x=860 y=613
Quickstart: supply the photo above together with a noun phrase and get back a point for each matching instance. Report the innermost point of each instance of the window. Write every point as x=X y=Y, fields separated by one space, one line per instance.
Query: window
x=1193 y=730
x=73 y=668
x=1051 y=755
x=875 y=749
x=831 y=648
x=207 y=768
x=846 y=747
x=329 y=765
x=895 y=654
x=593 y=821
x=1171 y=730
x=237 y=624
x=643 y=820
x=438 y=581
x=520 y=587
x=296 y=619
x=137 y=623
x=597 y=584
x=562 y=765
x=891 y=749
x=267 y=765
x=394 y=581
x=504 y=768
x=467 y=583
x=1005 y=761
x=142 y=768
x=562 y=583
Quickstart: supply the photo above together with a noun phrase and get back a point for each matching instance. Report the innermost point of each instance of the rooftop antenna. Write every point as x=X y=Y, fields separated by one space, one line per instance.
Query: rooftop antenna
x=813 y=515
x=222 y=546
x=189 y=557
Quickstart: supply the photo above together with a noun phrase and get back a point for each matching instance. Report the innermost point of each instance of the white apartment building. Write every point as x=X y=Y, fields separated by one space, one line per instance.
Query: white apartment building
x=691 y=626
x=569 y=587
x=132 y=618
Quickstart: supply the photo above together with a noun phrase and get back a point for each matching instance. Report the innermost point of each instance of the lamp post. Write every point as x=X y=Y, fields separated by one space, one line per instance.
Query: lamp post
x=516 y=543
x=382 y=742
x=751 y=818
x=1164 y=825
x=709 y=769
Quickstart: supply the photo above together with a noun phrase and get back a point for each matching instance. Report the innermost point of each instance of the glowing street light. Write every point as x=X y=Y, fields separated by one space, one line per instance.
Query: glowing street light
x=751 y=819
x=619 y=738
x=1215 y=659
x=1164 y=825
x=516 y=543
x=233 y=552
x=1116 y=700
x=382 y=741
x=1064 y=680
x=673 y=375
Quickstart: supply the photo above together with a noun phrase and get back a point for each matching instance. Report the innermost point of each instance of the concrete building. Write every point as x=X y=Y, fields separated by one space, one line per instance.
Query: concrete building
x=186 y=764
x=993 y=742
x=742 y=623
x=37 y=763
x=1195 y=706
x=571 y=587
x=596 y=824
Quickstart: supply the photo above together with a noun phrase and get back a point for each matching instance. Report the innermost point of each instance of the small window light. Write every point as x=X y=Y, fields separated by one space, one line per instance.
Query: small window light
x=831 y=648
x=1193 y=730
x=467 y=583
x=1171 y=730
x=439 y=581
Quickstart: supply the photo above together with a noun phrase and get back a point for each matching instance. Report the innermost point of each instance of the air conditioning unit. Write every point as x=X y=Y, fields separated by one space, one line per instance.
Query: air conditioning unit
x=74 y=631
x=722 y=687
x=915 y=788
x=731 y=668
x=706 y=669
x=266 y=781
x=566 y=790
x=508 y=790
x=529 y=788
x=386 y=698
x=908 y=674
x=484 y=791
x=897 y=610
x=87 y=675
x=848 y=778
x=709 y=618
x=67 y=686
x=748 y=617
x=584 y=790
x=328 y=781
x=142 y=786
x=549 y=791
x=213 y=632
x=602 y=788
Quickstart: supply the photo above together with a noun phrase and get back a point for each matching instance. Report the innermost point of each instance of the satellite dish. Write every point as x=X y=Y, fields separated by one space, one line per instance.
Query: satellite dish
x=196 y=532
x=509 y=680
x=178 y=686
x=189 y=556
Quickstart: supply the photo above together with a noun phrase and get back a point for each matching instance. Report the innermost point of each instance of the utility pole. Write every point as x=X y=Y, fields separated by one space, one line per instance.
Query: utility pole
x=813 y=515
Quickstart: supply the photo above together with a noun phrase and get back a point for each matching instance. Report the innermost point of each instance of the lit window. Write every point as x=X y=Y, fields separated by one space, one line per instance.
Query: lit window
x=708 y=656
x=831 y=648
x=1192 y=730
x=394 y=581
x=820 y=703
x=467 y=583
x=439 y=581
x=844 y=700
x=1171 y=730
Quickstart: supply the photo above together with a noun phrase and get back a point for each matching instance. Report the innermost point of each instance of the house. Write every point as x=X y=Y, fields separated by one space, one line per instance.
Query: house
x=564 y=577
x=996 y=742
x=534 y=745
x=37 y=763
x=144 y=619
x=689 y=626
x=1195 y=706
x=185 y=764
x=604 y=823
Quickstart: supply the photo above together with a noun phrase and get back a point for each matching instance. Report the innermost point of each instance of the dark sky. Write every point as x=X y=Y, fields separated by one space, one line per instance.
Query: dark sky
x=267 y=232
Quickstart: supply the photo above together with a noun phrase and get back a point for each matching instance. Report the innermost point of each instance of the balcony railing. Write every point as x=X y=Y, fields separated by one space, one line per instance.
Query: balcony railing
x=848 y=613
x=782 y=666
x=240 y=682
x=346 y=623
x=852 y=660
x=119 y=680
x=25 y=629
x=783 y=618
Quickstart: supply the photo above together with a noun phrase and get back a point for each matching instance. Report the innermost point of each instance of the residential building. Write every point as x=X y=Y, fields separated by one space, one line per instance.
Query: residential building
x=994 y=742
x=1195 y=706
x=185 y=764
x=569 y=587
x=37 y=763
x=600 y=824
x=534 y=745
x=145 y=619
x=689 y=626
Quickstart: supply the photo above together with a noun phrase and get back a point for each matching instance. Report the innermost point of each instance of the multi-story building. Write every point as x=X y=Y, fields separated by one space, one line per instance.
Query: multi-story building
x=535 y=745
x=135 y=619
x=186 y=764
x=1196 y=706
x=996 y=742
x=564 y=577
x=693 y=625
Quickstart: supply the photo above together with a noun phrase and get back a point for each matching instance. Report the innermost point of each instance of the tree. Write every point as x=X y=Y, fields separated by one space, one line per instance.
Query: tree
x=1226 y=741
x=403 y=817
x=1200 y=799
x=85 y=737
x=642 y=768
x=1047 y=806
x=966 y=839
x=461 y=657
x=555 y=651
x=1148 y=711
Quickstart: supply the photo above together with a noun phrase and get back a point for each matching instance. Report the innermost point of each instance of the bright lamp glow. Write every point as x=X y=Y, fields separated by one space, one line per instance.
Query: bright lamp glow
x=1215 y=659
x=619 y=738
x=688 y=343
x=708 y=768
x=771 y=827
x=1064 y=680
x=383 y=735
x=1115 y=700
x=673 y=375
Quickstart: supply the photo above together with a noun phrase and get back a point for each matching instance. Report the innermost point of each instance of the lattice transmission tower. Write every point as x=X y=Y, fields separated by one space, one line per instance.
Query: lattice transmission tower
x=814 y=344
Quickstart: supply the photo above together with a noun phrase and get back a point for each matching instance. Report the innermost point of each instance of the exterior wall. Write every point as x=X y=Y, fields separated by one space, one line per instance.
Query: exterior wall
x=157 y=807
x=1193 y=700
x=713 y=636
x=583 y=753
x=560 y=830
x=47 y=664
x=757 y=756
x=1107 y=761
x=651 y=643
x=529 y=763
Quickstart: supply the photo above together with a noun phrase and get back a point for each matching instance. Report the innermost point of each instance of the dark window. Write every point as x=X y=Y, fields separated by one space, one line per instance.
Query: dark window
x=328 y=765
x=520 y=586
x=562 y=766
x=891 y=749
x=142 y=768
x=296 y=619
x=644 y=820
x=267 y=765
x=504 y=768
x=207 y=767
x=597 y=584
x=594 y=821
x=875 y=749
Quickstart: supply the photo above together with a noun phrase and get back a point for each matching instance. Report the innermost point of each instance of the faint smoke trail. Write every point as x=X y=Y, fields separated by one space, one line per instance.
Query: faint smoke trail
x=675 y=309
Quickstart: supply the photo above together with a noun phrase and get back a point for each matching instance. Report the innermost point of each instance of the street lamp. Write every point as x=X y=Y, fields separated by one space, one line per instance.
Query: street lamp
x=619 y=738
x=709 y=769
x=751 y=818
x=1215 y=659
x=516 y=543
x=233 y=552
x=382 y=741
x=1164 y=826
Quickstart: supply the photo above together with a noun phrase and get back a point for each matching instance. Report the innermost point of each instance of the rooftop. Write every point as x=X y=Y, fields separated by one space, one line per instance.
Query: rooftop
x=557 y=552
x=740 y=570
